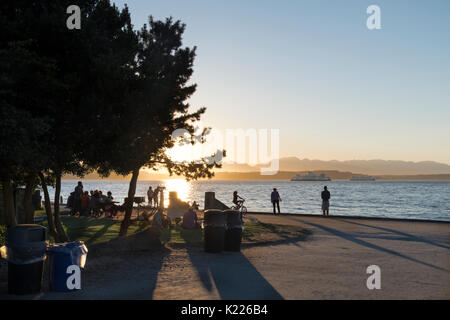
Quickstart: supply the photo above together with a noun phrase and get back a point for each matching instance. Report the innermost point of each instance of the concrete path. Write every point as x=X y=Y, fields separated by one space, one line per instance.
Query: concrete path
x=414 y=258
x=331 y=263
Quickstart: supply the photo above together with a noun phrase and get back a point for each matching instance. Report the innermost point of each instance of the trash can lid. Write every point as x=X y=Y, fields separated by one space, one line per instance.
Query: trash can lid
x=66 y=247
x=25 y=233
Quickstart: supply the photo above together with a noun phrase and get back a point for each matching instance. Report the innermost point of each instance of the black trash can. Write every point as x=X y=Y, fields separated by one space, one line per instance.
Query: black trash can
x=25 y=252
x=214 y=224
x=233 y=233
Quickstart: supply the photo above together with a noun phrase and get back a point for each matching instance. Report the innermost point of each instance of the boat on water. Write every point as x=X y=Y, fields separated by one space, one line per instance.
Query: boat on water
x=362 y=178
x=310 y=177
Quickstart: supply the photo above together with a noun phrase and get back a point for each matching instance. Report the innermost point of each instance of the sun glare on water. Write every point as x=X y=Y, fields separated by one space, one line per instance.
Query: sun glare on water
x=181 y=186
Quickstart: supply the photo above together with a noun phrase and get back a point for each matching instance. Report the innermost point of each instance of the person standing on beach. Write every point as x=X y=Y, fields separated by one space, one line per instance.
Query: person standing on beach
x=325 y=201
x=275 y=198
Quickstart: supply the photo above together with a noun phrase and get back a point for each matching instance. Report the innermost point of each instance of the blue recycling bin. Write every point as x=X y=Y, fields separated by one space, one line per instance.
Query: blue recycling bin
x=66 y=261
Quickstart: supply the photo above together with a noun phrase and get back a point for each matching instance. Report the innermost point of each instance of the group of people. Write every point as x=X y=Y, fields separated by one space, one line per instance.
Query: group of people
x=275 y=199
x=153 y=195
x=91 y=203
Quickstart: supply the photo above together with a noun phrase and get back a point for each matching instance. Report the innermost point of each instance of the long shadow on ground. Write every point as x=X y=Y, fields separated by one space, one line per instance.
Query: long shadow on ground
x=232 y=274
x=355 y=239
x=404 y=236
x=118 y=269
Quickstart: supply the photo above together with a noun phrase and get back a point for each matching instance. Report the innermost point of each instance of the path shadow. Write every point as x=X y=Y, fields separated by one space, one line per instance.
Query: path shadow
x=233 y=275
x=405 y=236
x=356 y=240
x=114 y=271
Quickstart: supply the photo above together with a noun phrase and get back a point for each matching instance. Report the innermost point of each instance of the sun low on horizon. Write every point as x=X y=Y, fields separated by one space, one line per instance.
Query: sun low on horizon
x=182 y=187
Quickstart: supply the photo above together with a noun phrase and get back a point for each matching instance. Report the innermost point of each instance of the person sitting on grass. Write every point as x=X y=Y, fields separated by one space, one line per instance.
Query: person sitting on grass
x=190 y=219
x=110 y=207
x=95 y=204
x=85 y=204
x=157 y=220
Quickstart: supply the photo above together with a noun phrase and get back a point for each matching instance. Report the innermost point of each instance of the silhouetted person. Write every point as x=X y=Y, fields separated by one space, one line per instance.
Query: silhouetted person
x=85 y=204
x=157 y=221
x=190 y=220
x=325 y=201
x=78 y=193
x=237 y=200
x=150 y=195
x=275 y=198
x=155 y=196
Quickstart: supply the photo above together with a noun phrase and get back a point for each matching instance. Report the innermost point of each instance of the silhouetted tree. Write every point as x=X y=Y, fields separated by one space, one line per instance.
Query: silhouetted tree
x=86 y=63
x=155 y=105
x=104 y=97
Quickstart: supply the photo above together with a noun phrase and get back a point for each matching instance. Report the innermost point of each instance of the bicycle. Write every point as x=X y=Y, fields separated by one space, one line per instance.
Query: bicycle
x=240 y=207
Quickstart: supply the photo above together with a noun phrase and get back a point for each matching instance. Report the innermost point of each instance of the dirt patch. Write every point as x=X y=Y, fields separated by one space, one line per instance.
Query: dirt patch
x=147 y=240
x=265 y=233
x=254 y=233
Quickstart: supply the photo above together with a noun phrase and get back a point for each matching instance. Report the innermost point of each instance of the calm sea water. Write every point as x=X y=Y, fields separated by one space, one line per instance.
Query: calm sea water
x=394 y=199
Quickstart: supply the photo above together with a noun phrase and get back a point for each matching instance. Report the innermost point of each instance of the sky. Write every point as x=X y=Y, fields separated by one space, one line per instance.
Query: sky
x=312 y=69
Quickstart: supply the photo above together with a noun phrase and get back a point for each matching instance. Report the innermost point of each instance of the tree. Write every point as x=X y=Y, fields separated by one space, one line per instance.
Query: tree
x=155 y=91
x=23 y=80
x=103 y=97
x=89 y=60
x=86 y=62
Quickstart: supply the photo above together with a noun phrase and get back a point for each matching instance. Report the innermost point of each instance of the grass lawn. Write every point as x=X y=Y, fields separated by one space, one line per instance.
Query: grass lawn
x=38 y=213
x=94 y=230
x=254 y=232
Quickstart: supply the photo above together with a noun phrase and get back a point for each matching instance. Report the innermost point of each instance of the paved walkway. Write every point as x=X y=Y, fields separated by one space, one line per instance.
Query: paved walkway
x=414 y=258
x=331 y=263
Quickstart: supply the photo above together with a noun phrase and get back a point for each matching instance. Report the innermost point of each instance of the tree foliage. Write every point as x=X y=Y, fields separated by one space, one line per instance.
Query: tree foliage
x=103 y=98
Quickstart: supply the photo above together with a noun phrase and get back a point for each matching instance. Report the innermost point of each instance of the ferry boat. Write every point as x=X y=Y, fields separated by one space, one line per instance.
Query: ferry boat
x=310 y=177
x=362 y=178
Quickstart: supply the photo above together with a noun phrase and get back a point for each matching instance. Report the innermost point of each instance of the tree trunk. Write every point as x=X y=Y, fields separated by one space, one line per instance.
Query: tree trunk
x=129 y=204
x=62 y=236
x=8 y=198
x=48 y=208
x=28 y=200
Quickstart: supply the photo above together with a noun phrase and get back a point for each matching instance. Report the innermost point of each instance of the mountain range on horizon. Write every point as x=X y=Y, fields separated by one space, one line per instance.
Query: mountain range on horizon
x=371 y=167
x=382 y=169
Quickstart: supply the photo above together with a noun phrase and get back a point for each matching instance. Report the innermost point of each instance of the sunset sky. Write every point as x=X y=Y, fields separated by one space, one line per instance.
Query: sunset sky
x=312 y=69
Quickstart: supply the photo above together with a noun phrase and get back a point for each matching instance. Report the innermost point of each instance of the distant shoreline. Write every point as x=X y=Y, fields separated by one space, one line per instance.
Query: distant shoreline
x=280 y=176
